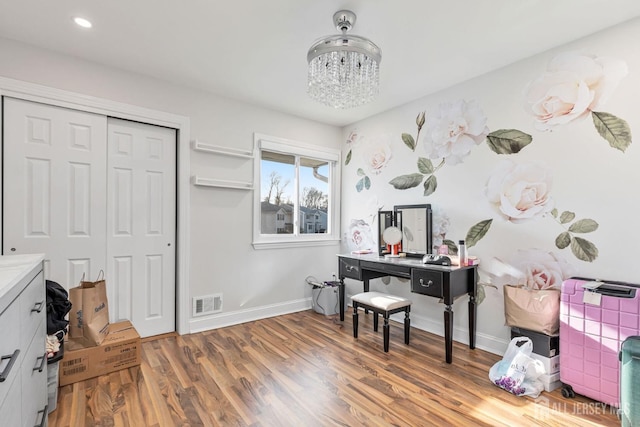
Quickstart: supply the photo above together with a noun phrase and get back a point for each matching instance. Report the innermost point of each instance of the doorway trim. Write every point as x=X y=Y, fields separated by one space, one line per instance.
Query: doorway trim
x=62 y=98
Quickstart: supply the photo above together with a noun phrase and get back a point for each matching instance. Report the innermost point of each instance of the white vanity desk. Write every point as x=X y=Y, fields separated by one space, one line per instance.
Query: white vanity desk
x=23 y=367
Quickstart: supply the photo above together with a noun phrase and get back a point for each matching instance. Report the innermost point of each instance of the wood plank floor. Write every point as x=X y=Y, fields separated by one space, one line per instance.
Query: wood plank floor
x=306 y=369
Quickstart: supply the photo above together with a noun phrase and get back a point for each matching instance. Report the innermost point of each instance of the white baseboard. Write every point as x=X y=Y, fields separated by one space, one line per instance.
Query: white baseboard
x=222 y=320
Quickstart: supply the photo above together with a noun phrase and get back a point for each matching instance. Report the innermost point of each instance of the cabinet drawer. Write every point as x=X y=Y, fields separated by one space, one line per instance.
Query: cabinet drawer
x=426 y=282
x=9 y=343
x=350 y=268
x=34 y=381
x=10 y=407
x=33 y=309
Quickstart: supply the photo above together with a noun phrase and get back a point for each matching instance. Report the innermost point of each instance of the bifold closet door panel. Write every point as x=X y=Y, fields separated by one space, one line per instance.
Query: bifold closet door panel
x=54 y=178
x=141 y=230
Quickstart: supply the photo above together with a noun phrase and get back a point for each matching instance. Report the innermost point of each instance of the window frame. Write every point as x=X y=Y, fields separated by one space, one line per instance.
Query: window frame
x=296 y=148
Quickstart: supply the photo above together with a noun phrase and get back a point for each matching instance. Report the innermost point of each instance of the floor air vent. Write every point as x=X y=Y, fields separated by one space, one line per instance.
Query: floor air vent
x=208 y=304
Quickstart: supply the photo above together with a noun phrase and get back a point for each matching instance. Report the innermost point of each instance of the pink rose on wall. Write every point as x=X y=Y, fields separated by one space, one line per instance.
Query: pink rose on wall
x=359 y=235
x=352 y=140
x=533 y=268
x=520 y=192
x=377 y=153
x=453 y=130
x=574 y=86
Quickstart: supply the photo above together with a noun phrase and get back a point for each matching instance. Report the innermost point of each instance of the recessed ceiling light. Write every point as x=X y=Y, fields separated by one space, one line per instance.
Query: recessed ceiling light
x=84 y=23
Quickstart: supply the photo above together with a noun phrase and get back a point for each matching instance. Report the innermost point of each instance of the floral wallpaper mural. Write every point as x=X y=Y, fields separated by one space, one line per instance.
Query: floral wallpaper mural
x=525 y=162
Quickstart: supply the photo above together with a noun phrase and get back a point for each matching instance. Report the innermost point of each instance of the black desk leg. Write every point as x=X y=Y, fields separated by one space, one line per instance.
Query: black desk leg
x=472 y=321
x=365 y=288
x=448 y=333
x=341 y=298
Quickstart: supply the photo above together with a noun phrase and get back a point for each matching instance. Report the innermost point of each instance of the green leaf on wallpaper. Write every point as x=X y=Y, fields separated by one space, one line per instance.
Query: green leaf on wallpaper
x=554 y=212
x=615 y=130
x=480 y=294
x=359 y=185
x=563 y=240
x=409 y=141
x=566 y=217
x=404 y=182
x=508 y=141
x=453 y=248
x=477 y=232
x=348 y=159
x=583 y=249
x=360 y=172
x=424 y=165
x=367 y=182
x=430 y=185
x=583 y=226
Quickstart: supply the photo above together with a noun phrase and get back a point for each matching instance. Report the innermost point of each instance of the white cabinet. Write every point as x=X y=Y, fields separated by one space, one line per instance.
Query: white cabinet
x=23 y=368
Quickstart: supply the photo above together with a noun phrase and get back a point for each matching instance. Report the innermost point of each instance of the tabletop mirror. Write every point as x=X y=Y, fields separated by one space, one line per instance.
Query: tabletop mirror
x=415 y=222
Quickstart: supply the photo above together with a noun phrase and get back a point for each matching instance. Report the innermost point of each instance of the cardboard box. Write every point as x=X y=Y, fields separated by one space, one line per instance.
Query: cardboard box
x=120 y=349
x=544 y=345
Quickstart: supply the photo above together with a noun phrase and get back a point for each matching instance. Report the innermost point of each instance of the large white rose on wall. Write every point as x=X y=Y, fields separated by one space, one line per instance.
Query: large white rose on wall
x=533 y=268
x=453 y=130
x=574 y=86
x=377 y=153
x=520 y=192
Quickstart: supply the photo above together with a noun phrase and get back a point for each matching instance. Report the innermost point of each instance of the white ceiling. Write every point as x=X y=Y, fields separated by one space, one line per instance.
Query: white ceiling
x=255 y=50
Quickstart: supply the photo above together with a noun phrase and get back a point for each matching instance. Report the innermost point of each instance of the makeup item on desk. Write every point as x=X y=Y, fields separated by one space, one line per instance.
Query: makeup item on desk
x=462 y=253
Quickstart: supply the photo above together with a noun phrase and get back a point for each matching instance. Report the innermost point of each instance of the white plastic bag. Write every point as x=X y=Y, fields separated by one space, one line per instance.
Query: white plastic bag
x=518 y=372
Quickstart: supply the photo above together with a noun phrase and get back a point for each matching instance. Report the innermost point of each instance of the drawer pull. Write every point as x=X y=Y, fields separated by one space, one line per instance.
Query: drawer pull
x=37 y=307
x=349 y=268
x=12 y=359
x=44 y=416
x=40 y=368
x=429 y=283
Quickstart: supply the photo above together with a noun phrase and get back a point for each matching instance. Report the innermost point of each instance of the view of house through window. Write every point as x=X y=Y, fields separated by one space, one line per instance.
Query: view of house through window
x=294 y=194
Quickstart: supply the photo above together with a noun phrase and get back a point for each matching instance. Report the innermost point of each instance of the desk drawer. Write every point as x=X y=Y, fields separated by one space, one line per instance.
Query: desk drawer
x=350 y=268
x=426 y=282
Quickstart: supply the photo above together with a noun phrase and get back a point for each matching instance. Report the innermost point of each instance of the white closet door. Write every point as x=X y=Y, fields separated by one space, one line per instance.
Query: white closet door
x=141 y=228
x=54 y=198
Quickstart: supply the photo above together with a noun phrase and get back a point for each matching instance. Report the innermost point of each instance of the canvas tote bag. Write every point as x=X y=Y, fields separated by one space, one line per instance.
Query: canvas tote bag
x=536 y=310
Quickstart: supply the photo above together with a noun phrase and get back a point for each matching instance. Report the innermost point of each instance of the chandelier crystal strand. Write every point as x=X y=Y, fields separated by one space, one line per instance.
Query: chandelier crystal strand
x=343 y=69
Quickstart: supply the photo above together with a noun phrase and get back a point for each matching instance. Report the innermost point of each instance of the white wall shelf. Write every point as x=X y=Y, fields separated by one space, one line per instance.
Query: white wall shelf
x=210 y=148
x=221 y=183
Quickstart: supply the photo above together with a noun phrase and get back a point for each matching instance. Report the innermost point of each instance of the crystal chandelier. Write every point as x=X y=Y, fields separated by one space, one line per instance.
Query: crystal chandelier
x=343 y=69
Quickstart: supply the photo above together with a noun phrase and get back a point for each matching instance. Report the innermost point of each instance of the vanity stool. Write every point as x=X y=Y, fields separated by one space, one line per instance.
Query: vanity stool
x=386 y=305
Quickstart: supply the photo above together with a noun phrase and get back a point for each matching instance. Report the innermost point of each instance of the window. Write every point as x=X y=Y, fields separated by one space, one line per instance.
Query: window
x=296 y=193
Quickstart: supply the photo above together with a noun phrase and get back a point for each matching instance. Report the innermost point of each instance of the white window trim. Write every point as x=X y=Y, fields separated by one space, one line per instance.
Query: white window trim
x=274 y=241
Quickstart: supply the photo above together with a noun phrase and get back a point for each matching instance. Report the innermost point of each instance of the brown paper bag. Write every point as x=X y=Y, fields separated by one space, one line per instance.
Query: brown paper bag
x=536 y=310
x=89 y=315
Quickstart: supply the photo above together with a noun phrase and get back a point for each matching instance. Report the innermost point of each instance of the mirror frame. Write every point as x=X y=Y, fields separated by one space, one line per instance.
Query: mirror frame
x=398 y=216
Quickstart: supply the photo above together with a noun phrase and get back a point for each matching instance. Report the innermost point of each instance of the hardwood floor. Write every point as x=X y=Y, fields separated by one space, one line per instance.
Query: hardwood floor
x=306 y=369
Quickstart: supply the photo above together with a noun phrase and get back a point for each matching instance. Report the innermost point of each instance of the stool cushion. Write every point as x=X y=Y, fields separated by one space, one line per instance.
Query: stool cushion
x=382 y=301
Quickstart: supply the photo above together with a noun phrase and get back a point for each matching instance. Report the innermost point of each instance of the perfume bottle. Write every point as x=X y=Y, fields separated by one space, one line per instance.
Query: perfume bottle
x=462 y=253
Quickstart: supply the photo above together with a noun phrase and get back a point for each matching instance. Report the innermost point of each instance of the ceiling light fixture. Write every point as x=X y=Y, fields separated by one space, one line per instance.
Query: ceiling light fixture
x=343 y=69
x=84 y=23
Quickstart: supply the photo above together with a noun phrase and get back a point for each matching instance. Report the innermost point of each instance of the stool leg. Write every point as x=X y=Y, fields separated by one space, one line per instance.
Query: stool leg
x=355 y=320
x=385 y=331
x=375 y=321
x=407 y=325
